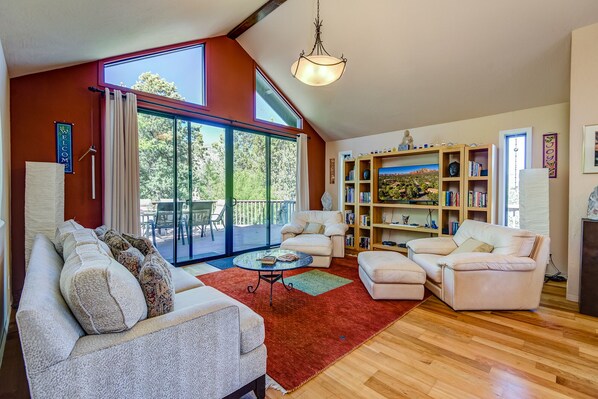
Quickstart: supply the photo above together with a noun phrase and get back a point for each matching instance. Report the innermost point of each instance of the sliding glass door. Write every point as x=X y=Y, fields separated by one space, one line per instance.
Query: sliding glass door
x=209 y=191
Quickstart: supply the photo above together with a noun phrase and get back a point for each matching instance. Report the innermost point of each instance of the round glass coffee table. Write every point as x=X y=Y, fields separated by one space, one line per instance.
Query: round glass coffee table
x=271 y=273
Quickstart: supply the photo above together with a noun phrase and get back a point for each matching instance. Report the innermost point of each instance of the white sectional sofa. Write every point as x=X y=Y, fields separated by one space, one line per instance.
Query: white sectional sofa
x=508 y=278
x=209 y=346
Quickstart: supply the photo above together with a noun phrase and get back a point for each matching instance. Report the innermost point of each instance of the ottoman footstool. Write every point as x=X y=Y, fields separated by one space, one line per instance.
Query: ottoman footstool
x=390 y=275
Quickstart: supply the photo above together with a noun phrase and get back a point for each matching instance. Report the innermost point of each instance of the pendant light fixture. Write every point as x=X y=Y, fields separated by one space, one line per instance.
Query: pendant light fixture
x=318 y=68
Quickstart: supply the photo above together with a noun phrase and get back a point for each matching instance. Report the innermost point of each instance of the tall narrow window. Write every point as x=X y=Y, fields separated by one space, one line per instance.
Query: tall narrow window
x=515 y=149
x=270 y=106
x=176 y=74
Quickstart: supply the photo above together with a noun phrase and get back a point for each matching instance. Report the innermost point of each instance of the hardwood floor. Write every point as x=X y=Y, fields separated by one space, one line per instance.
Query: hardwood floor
x=434 y=352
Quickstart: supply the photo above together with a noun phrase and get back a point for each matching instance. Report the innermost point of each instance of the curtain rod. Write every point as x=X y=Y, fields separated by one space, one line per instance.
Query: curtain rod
x=230 y=121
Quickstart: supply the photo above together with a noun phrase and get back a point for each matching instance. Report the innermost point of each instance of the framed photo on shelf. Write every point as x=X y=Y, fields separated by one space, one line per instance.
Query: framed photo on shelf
x=590 y=149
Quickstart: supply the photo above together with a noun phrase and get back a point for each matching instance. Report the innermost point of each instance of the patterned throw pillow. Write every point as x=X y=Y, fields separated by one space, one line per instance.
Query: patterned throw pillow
x=132 y=259
x=116 y=242
x=143 y=244
x=157 y=286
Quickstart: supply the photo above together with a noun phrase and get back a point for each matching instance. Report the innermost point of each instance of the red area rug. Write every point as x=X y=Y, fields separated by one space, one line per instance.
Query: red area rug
x=304 y=333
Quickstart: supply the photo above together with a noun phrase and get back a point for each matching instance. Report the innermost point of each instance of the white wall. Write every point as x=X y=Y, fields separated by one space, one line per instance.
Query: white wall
x=584 y=111
x=5 y=293
x=485 y=130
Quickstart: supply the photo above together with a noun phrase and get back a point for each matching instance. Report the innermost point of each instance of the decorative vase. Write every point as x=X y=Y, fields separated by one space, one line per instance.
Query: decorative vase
x=366 y=174
x=454 y=169
x=593 y=205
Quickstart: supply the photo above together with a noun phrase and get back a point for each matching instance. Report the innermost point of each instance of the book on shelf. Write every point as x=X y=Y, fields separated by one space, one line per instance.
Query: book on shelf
x=349 y=241
x=364 y=242
x=475 y=169
x=452 y=198
x=364 y=220
x=453 y=227
x=350 y=194
x=349 y=217
x=477 y=199
x=365 y=197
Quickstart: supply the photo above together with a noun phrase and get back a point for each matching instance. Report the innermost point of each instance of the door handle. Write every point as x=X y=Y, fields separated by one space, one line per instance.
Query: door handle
x=234 y=202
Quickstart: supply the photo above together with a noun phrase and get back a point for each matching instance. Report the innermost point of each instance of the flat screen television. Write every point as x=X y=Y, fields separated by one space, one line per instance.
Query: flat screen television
x=409 y=184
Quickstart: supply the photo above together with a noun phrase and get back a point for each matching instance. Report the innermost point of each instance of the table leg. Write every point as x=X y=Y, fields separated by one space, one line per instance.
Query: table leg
x=259 y=279
x=288 y=286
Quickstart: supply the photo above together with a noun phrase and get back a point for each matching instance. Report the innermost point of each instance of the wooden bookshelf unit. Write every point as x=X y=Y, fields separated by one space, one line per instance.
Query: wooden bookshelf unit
x=375 y=221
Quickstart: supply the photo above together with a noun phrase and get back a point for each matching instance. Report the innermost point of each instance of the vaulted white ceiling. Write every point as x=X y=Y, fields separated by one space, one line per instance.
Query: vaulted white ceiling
x=411 y=63
x=39 y=35
x=417 y=63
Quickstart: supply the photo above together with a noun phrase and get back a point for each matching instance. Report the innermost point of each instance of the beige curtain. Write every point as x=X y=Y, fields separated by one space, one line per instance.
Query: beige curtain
x=121 y=163
x=302 y=174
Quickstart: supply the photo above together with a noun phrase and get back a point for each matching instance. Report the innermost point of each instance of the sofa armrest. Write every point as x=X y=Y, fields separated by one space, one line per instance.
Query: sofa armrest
x=336 y=229
x=291 y=228
x=156 y=356
x=168 y=323
x=434 y=246
x=486 y=261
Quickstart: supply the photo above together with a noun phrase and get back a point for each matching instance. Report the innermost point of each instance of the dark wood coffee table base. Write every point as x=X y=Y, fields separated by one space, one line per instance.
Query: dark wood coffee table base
x=271 y=277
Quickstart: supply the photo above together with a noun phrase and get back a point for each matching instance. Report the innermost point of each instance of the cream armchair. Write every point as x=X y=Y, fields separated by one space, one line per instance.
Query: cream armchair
x=322 y=245
x=509 y=278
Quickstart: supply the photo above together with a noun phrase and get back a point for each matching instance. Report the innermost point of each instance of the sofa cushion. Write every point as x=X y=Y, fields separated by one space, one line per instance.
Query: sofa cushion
x=313 y=228
x=157 y=286
x=62 y=230
x=132 y=259
x=473 y=245
x=390 y=267
x=429 y=263
x=116 y=242
x=506 y=240
x=143 y=244
x=323 y=217
x=102 y=294
x=100 y=231
x=86 y=238
x=183 y=281
x=313 y=244
x=251 y=323
x=487 y=261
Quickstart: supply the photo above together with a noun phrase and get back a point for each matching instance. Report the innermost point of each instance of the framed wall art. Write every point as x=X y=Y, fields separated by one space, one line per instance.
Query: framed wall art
x=64 y=145
x=590 y=149
x=332 y=170
x=550 y=153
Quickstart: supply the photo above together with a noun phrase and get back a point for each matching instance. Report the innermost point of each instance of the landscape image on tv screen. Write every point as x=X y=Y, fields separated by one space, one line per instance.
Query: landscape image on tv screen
x=408 y=184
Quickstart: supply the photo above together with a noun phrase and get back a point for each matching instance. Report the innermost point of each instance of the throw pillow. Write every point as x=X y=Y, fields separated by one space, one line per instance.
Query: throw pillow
x=157 y=286
x=103 y=296
x=143 y=244
x=132 y=259
x=116 y=242
x=472 y=245
x=63 y=229
x=313 y=228
x=100 y=231
x=83 y=237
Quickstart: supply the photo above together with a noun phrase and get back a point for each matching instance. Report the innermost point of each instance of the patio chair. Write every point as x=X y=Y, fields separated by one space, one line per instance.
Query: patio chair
x=200 y=214
x=164 y=219
x=218 y=215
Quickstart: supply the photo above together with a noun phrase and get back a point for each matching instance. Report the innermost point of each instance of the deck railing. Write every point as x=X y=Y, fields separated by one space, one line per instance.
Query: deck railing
x=252 y=212
x=245 y=213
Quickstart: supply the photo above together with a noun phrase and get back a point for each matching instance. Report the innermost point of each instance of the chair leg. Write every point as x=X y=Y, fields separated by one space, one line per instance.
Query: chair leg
x=154 y=234
x=212 y=231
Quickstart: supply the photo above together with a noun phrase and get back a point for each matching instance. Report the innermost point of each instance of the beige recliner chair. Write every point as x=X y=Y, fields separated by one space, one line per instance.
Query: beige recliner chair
x=321 y=245
x=508 y=278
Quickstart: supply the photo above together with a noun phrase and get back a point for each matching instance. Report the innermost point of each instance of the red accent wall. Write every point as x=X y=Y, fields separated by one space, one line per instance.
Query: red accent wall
x=37 y=100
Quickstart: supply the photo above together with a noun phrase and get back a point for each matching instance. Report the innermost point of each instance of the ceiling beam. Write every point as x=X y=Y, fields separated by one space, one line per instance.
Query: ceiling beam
x=254 y=18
